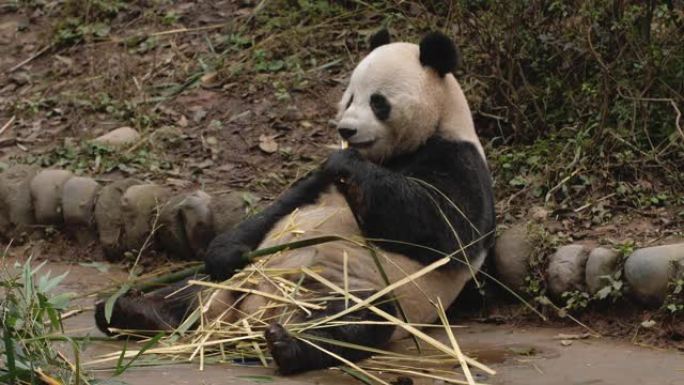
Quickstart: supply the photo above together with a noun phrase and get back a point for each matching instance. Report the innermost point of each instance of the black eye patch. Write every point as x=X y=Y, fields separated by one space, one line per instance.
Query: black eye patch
x=380 y=106
x=351 y=99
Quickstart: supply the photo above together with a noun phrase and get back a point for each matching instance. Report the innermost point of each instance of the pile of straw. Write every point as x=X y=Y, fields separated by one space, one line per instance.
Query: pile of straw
x=217 y=341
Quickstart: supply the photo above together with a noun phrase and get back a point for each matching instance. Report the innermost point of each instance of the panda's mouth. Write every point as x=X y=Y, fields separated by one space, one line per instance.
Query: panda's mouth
x=361 y=145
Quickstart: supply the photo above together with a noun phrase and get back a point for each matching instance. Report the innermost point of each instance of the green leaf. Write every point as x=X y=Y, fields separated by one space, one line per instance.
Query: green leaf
x=109 y=305
x=100 y=266
x=9 y=354
x=604 y=292
x=61 y=301
x=358 y=375
x=50 y=284
x=148 y=345
x=258 y=379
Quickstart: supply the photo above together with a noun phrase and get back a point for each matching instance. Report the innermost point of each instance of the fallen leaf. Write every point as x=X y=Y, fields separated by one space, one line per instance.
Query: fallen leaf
x=100 y=266
x=523 y=350
x=648 y=324
x=582 y=336
x=210 y=80
x=268 y=144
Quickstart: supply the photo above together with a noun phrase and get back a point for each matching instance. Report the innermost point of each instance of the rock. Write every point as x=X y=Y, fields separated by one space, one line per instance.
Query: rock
x=5 y=224
x=186 y=225
x=538 y=213
x=120 y=137
x=601 y=262
x=78 y=200
x=511 y=256
x=566 y=270
x=167 y=137
x=109 y=219
x=46 y=195
x=199 y=221
x=139 y=206
x=649 y=270
x=210 y=80
x=15 y=199
x=171 y=233
x=268 y=144
x=228 y=210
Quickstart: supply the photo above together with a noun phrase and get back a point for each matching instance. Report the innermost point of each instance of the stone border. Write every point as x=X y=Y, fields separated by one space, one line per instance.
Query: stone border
x=122 y=215
x=125 y=214
x=580 y=268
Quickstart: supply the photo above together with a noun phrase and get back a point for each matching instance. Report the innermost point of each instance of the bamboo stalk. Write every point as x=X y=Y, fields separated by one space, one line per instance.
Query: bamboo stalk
x=409 y=328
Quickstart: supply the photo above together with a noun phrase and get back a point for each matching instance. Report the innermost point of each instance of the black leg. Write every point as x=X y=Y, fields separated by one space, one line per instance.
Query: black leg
x=149 y=313
x=293 y=355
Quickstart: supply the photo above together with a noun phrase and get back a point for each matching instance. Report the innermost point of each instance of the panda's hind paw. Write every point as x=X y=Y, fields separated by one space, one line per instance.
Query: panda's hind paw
x=283 y=347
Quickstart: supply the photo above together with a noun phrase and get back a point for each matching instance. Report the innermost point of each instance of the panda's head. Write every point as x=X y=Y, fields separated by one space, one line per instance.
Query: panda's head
x=400 y=95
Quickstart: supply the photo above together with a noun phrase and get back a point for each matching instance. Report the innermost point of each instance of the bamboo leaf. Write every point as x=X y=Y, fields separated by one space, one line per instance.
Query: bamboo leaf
x=109 y=304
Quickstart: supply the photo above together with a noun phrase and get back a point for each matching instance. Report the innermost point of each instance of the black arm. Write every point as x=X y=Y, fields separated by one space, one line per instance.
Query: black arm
x=390 y=203
x=224 y=254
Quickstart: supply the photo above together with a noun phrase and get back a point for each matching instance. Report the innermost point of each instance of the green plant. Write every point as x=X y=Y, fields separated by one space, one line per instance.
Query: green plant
x=30 y=321
x=85 y=19
x=543 y=243
x=674 y=302
x=575 y=300
x=613 y=289
x=93 y=158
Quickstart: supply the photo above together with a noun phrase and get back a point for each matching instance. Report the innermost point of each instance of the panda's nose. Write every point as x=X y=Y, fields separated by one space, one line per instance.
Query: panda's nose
x=346 y=133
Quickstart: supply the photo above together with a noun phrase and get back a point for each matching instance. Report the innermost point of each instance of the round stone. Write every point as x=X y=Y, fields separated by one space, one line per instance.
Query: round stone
x=511 y=256
x=199 y=221
x=139 y=206
x=649 y=270
x=122 y=136
x=601 y=262
x=228 y=210
x=15 y=199
x=171 y=233
x=78 y=201
x=109 y=219
x=566 y=269
x=46 y=195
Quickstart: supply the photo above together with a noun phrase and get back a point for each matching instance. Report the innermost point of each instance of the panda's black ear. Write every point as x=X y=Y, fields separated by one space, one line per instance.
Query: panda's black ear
x=439 y=52
x=379 y=38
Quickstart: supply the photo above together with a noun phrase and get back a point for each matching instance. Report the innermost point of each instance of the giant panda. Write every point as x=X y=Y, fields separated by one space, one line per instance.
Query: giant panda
x=413 y=182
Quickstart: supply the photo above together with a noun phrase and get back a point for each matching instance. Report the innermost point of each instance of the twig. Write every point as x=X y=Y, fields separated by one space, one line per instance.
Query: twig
x=8 y=124
x=183 y=30
x=679 y=116
x=30 y=59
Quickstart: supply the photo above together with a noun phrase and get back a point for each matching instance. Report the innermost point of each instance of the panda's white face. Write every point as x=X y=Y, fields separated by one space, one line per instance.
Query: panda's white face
x=392 y=104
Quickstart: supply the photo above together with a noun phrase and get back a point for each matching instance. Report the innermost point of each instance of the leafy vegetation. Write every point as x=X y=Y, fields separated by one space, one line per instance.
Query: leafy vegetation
x=674 y=303
x=93 y=158
x=30 y=322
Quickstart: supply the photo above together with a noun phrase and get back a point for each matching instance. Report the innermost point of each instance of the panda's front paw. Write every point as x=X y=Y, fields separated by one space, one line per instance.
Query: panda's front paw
x=224 y=257
x=342 y=163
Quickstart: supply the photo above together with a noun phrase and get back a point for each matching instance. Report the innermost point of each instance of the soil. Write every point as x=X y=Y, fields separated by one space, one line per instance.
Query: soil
x=56 y=94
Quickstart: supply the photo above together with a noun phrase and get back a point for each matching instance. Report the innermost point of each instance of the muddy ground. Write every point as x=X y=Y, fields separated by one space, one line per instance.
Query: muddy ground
x=521 y=354
x=207 y=102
